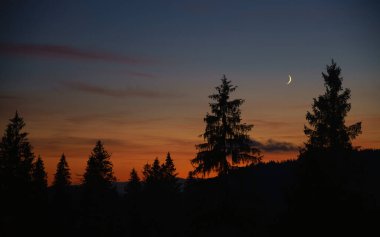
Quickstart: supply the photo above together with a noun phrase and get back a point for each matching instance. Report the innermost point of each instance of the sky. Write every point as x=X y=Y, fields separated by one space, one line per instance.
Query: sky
x=137 y=74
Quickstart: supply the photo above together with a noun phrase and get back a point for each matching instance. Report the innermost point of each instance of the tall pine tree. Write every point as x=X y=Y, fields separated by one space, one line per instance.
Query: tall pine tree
x=99 y=177
x=16 y=160
x=16 y=189
x=227 y=141
x=327 y=131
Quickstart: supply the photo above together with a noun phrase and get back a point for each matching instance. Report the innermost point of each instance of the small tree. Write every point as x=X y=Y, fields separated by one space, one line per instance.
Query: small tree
x=62 y=181
x=190 y=181
x=39 y=178
x=62 y=177
x=226 y=137
x=98 y=177
x=327 y=129
x=152 y=175
x=169 y=174
x=134 y=184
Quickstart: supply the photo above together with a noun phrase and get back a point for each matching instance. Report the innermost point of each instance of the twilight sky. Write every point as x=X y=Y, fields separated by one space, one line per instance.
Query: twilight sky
x=136 y=74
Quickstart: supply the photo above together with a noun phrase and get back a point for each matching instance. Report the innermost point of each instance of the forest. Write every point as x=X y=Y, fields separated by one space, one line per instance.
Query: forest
x=332 y=188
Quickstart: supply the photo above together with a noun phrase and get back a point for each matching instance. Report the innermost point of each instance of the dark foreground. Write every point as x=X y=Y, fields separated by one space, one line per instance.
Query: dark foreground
x=314 y=196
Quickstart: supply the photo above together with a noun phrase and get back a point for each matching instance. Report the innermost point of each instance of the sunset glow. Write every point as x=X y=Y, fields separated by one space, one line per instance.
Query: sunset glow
x=138 y=76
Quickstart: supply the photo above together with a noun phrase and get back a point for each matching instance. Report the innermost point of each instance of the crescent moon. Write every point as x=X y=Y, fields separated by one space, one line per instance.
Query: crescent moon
x=290 y=80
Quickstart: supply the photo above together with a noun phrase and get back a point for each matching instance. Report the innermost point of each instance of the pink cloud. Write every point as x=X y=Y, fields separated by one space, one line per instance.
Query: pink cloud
x=67 y=52
x=126 y=92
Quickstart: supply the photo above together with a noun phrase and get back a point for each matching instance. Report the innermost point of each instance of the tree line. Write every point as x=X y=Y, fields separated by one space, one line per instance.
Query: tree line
x=152 y=199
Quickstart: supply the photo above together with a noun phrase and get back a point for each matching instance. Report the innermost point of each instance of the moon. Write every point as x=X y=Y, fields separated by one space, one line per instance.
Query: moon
x=290 y=80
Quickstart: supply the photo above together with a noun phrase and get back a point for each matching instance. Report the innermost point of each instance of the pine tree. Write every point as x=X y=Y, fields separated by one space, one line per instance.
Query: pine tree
x=39 y=178
x=62 y=177
x=327 y=131
x=62 y=181
x=134 y=184
x=16 y=160
x=226 y=137
x=168 y=166
x=190 y=181
x=152 y=174
x=169 y=174
x=99 y=174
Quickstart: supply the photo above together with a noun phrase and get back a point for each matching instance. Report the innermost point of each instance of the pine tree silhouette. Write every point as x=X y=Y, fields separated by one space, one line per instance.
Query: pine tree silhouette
x=16 y=168
x=152 y=176
x=39 y=178
x=62 y=182
x=62 y=177
x=16 y=160
x=226 y=137
x=328 y=131
x=99 y=193
x=133 y=187
x=169 y=174
x=99 y=176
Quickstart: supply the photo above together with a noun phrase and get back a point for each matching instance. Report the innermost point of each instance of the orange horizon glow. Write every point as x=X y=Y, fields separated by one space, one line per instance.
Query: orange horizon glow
x=182 y=151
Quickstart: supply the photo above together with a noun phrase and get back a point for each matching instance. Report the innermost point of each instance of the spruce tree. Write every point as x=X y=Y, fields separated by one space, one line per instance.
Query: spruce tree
x=327 y=131
x=62 y=177
x=39 y=174
x=16 y=160
x=169 y=174
x=134 y=184
x=39 y=178
x=17 y=193
x=227 y=140
x=152 y=174
x=62 y=181
x=99 y=174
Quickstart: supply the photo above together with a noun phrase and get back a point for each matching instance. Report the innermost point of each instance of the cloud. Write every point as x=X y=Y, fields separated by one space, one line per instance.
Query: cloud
x=77 y=143
x=67 y=52
x=119 y=118
x=127 y=92
x=275 y=146
x=9 y=97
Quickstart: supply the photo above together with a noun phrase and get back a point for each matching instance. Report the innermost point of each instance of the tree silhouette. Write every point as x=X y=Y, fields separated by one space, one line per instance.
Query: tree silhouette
x=169 y=173
x=99 y=194
x=226 y=137
x=16 y=160
x=134 y=184
x=62 y=181
x=16 y=168
x=152 y=175
x=99 y=175
x=62 y=177
x=39 y=178
x=161 y=178
x=189 y=182
x=327 y=129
